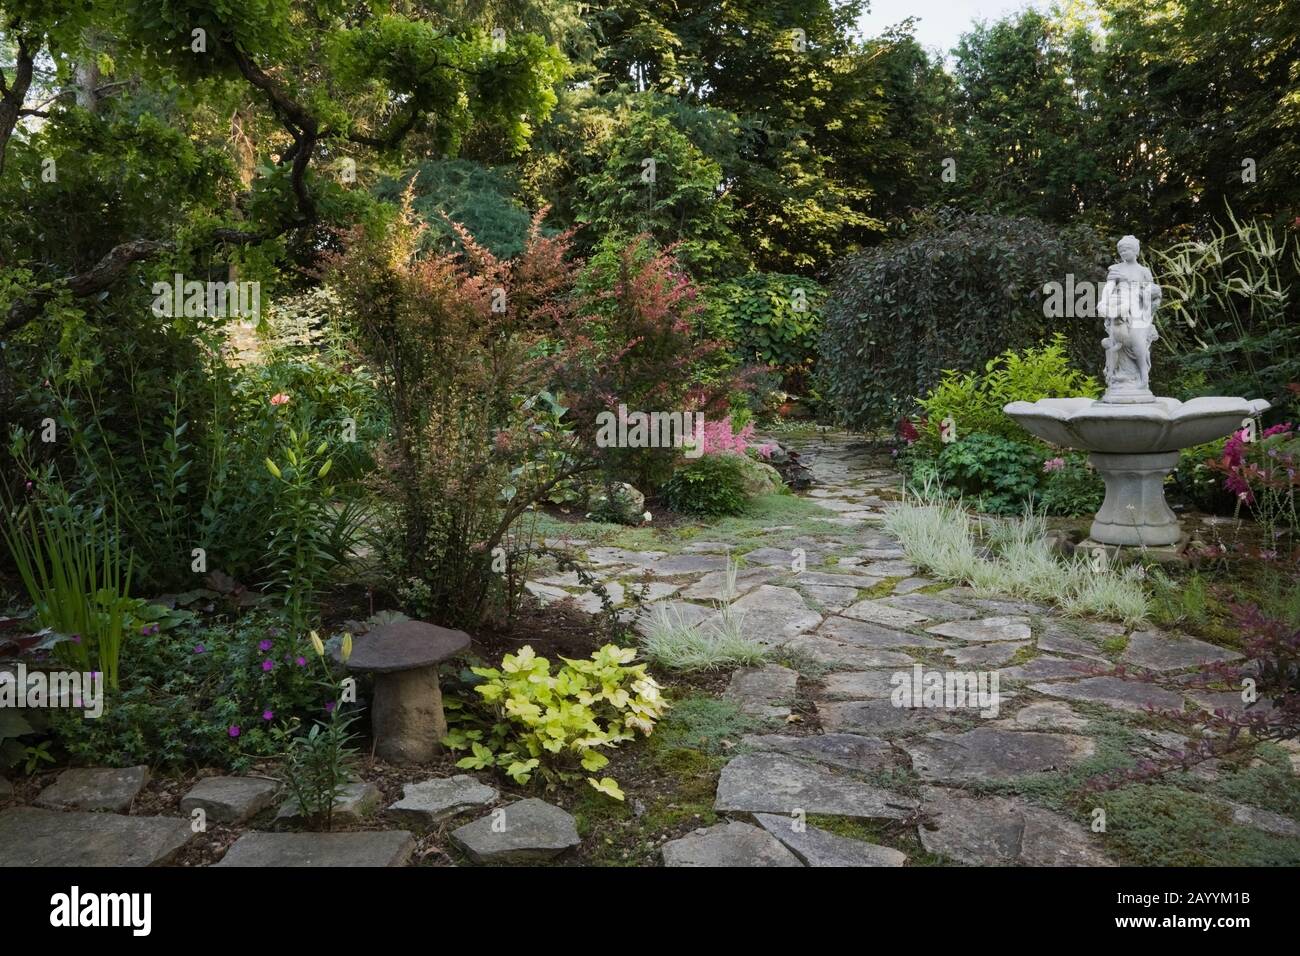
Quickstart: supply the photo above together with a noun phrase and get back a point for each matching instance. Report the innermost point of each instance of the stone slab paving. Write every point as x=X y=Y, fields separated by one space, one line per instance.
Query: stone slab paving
x=881 y=554
x=1161 y=651
x=837 y=655
x=33 y=837
x=1077 y=638
x=230 y=799
x=866 y=634
x=776 y=783
x=546 y=593
x=830 y=598
x=640 y=560
x=985 y=655
x=728 y=844
x=880 y=717
x=1002 y=831
x=850 y=658
x=1229 y=701
x=773 y=615
x=878 y=612
x=763 y=691
x=355 y=802
x=908 y=585
x=679 y=564
x=1045 y=668
x=1044 y=715
x=889 y=569
x=931 y=607
x=861 y=685
x=430 y=802
x=365 y=848
x=713 y=586
x=1265 y=820
x=991 y=754
x=650 y=591
x=1114 y=692
x=1008 y=607
x=98 y=788
x=835 y=579
x=779 y=558
x=849 y=751
x=817 y=847
x=525 y=831
x=1001 y=628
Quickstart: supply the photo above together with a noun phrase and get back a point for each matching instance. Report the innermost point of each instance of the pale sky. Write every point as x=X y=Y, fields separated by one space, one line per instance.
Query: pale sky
x=939 y=22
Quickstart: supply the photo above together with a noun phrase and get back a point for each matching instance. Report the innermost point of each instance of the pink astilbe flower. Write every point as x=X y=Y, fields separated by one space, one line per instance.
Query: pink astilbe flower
x=719 y=439
x=1053 y=464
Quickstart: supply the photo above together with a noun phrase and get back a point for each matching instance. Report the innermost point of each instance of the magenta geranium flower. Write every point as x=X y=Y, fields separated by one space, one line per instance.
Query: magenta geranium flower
x=234 y=730
x=268 y=664
x=268 y=715
x=301 y=662
x=200 y=649
x=264 y=645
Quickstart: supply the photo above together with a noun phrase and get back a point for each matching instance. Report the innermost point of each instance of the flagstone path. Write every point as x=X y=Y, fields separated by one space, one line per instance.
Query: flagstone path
x=843 y=612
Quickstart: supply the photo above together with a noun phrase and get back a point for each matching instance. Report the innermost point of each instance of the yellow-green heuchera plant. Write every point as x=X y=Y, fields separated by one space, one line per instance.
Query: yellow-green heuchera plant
x=555 y=723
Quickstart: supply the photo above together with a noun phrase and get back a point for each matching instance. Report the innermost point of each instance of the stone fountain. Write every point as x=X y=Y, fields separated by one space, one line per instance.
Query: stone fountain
x=1133 y=436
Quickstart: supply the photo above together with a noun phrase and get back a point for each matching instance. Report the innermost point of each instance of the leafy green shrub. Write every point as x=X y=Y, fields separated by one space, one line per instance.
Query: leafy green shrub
x=973 y=402
x=1000 y=473
x=958 y=291
x=773 y=318
x=711 y=486
x=554 y=723
x=681 y=206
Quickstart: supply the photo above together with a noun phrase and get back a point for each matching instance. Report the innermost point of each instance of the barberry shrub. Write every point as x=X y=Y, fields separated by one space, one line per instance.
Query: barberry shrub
x=637 y=328
x=464 y=348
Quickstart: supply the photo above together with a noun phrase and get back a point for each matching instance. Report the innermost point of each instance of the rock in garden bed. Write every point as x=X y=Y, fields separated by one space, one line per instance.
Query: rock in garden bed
x=96 y=788
x=374 y=848
x=523 y=832
x=430 y=802
x=728 y=844
x=230 y=799
x=34 y=837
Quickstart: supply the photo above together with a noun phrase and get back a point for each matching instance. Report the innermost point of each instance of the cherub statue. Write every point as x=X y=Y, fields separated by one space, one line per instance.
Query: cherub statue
x=1128 y=303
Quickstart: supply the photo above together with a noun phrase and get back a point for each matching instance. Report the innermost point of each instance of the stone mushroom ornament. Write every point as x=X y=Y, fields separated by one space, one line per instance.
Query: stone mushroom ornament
x=406 y=713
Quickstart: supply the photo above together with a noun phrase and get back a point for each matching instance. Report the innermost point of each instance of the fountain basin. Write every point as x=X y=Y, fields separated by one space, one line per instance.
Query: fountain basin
x=1134 y=446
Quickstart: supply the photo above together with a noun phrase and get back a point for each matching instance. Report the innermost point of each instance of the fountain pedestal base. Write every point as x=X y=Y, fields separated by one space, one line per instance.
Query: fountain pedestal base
x=1134 y=513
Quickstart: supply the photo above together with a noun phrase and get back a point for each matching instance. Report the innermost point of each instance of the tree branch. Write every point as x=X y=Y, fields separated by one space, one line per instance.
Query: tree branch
x=96 y=279
x=11 y=101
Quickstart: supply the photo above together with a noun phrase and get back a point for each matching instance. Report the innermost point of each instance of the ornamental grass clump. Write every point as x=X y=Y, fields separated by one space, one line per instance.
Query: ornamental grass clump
x=556 y=724
x=681 y=645
x=1011 y=556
